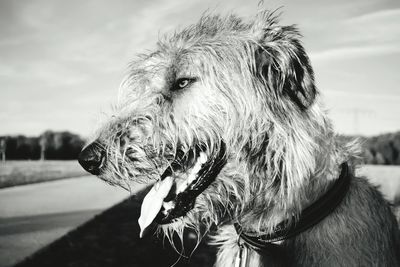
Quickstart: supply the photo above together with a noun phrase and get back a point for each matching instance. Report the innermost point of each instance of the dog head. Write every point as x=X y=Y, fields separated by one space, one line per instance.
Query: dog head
x=221 y=116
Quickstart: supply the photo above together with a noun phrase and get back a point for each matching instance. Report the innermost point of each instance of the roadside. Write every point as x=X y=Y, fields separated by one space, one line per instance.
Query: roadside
x=111 y=239
x=32 y=216
x=20 y=172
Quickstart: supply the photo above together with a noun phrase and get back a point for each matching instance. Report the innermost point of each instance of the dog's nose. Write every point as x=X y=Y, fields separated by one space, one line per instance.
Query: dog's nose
x=92 y=158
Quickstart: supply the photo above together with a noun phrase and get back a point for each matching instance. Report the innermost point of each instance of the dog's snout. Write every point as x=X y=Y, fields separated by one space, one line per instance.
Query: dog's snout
x=92 y=158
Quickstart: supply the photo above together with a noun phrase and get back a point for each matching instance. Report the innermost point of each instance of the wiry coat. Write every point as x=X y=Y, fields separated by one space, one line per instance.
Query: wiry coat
x=254 y=91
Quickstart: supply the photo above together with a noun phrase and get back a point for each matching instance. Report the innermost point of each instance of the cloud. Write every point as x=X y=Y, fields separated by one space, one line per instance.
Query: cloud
x=354 y=51
x=380 y=15
x=371 y=34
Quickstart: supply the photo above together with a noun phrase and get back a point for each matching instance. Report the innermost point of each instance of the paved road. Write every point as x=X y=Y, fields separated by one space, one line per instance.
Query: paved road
x=32 y=216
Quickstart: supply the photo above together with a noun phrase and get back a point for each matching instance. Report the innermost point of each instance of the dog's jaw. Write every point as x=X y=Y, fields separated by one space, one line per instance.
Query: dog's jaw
x=175 y=195
x=156 y=203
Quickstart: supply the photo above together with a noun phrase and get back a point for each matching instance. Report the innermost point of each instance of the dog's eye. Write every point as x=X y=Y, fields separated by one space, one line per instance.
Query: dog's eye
x=182 y=83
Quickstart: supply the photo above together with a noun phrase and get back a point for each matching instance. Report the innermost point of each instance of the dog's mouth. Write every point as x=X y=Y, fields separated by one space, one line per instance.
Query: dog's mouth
x=185 y=179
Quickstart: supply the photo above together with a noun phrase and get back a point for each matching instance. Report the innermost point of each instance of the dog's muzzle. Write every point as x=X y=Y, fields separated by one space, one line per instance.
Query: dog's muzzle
x=92 y=158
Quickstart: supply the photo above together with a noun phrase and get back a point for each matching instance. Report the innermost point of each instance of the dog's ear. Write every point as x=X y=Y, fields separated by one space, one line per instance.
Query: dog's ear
x=284 y=66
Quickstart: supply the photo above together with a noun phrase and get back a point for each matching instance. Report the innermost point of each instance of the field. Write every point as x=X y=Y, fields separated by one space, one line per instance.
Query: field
x=17 y=172
x=386 y=177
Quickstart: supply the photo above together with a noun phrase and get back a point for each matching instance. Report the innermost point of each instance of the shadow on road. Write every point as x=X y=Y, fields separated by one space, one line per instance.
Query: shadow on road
x=112 y=239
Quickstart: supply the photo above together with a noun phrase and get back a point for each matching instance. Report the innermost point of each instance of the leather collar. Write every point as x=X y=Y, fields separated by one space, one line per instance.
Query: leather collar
x=309 y=217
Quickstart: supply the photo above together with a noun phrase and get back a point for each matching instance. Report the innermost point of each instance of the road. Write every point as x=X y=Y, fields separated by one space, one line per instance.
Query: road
x=32 y=216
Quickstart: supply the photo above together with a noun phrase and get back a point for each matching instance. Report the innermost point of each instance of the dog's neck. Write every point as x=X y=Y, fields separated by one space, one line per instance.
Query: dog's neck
x=257 y=223
x=278 y=209
x=309 y=217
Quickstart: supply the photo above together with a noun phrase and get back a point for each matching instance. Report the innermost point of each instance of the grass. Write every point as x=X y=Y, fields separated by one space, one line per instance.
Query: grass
x=22 y=172
x=112 y=239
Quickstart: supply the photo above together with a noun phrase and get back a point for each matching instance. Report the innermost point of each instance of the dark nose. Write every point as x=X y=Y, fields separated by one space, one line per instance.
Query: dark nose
x=92 y=158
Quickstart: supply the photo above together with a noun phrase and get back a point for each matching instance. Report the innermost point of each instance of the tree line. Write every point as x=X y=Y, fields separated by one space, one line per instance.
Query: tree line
x=49 y=145
x=381 y=149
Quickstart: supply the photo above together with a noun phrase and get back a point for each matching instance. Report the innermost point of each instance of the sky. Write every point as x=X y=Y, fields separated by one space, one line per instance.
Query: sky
x=61 y=62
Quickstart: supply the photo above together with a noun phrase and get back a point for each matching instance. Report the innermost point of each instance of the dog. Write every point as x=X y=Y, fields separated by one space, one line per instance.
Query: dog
x=225 y=119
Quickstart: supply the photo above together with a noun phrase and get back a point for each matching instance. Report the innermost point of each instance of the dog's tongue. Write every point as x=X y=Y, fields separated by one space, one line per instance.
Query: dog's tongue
x=152 y=203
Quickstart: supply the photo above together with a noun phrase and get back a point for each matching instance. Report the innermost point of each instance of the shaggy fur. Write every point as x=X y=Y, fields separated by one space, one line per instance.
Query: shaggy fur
x=252 y=88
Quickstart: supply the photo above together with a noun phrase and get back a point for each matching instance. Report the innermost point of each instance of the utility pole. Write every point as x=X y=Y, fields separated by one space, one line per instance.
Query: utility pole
x=357 y=113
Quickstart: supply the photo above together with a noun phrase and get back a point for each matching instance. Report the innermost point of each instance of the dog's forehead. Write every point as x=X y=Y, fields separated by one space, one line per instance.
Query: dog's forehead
x=156 y=72
x=188 y=52
x=184 y=48
x=166 y=65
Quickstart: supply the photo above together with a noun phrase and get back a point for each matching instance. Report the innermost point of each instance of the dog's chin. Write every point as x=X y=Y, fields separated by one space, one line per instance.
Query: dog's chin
x=188 y=183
